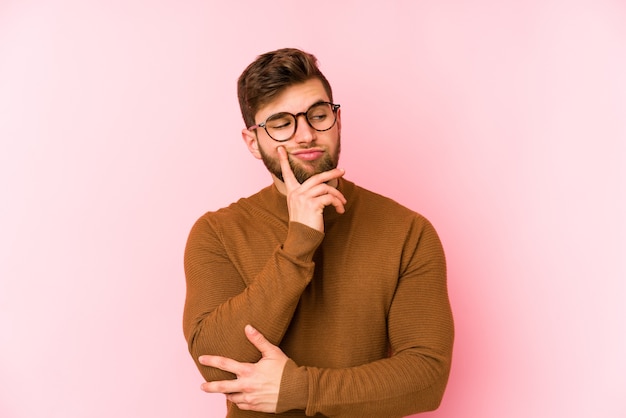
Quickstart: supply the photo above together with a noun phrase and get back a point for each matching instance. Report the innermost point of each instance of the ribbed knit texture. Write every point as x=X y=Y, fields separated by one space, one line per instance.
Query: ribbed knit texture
x=361 y=310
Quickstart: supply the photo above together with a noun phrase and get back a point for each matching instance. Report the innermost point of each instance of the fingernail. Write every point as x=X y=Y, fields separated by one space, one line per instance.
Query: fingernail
x=250 y=329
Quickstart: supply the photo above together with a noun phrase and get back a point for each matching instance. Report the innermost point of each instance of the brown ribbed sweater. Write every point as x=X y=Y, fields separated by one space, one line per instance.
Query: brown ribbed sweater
x=361 y=310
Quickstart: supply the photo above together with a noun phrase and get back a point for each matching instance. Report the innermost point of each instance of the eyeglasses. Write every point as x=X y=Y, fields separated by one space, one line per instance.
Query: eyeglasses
x=282 y=126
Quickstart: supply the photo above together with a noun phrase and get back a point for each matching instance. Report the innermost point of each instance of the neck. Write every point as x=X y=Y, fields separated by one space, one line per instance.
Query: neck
x=282 y=188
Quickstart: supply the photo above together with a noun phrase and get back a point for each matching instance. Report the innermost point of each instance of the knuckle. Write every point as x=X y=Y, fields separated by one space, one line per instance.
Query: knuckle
x=244 y=406
x=247 y=369
x=221 y=362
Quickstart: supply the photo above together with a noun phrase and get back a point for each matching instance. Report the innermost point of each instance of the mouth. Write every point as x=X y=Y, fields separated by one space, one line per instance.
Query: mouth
x=308 y=154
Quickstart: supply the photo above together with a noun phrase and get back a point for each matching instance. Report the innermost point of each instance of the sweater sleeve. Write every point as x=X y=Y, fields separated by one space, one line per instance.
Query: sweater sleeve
x=219 y=304
x=421 y=334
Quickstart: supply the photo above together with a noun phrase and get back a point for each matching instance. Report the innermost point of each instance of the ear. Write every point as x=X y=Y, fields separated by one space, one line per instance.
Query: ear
x=339 y=120
x=252 y=142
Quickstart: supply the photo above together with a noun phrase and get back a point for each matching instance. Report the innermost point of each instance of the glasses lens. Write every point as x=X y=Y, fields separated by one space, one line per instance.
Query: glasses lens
x=280 y=126
x=321 y=116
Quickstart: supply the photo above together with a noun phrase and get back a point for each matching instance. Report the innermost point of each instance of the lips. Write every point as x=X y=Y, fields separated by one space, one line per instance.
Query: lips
x=308 y=154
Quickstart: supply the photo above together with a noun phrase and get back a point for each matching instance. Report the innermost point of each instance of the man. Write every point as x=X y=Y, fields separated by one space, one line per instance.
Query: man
x=314 y=297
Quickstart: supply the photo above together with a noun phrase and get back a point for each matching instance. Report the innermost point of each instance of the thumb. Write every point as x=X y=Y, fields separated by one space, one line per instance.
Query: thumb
x=288 y=177
x=259 y=341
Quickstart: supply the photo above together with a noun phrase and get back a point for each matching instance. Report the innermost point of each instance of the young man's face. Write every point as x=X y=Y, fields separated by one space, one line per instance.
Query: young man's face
x=310 y=152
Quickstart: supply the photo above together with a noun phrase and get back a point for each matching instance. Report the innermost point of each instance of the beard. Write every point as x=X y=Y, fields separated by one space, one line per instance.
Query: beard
x=300 y=171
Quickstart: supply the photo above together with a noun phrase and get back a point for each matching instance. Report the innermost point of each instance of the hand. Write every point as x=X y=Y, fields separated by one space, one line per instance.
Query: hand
x=257 y=385
x=306 y=201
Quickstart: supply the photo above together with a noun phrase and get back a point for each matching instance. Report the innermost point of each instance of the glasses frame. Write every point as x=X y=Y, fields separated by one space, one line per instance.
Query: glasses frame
x=334 y=107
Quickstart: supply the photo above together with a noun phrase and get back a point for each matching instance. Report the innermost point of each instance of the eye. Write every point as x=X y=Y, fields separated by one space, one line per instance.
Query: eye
x=318 y=116
x=279 y=122
x=318 y=112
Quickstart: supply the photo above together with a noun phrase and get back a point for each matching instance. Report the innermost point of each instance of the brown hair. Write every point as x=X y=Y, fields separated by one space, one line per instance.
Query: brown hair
x=270 y=74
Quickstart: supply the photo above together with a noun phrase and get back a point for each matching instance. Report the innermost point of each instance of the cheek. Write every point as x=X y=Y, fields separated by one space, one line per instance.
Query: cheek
x=267 y=150
x=333 y=138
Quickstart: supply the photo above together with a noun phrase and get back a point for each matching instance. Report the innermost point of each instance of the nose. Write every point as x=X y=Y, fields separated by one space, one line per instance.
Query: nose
x=304 y=133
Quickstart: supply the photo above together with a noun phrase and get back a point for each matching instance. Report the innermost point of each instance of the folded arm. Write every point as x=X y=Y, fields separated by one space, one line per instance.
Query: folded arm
x=421 y=333
x=411 y=380
x=220 y=302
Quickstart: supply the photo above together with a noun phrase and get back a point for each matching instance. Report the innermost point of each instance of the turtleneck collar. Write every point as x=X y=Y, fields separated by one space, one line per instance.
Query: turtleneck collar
x=276 y=202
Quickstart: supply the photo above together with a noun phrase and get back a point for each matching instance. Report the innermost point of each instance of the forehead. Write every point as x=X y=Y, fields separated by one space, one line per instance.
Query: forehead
x=295 y=99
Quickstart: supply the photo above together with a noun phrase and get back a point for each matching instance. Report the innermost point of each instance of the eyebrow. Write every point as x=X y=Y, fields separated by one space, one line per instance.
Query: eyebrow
x=316 y=103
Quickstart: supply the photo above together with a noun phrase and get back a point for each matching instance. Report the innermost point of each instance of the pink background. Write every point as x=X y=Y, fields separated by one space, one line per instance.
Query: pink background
x=504 y=122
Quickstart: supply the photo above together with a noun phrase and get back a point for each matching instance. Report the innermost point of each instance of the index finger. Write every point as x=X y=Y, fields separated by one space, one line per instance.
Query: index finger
x=288 y=177
x=222 y=386
x=223 y=363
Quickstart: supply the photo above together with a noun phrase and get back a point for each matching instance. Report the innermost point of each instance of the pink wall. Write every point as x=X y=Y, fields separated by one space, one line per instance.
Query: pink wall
x=504 y=122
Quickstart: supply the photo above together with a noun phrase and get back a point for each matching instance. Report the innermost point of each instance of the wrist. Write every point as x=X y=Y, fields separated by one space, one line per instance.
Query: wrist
x=302 y=241
x=294 y=388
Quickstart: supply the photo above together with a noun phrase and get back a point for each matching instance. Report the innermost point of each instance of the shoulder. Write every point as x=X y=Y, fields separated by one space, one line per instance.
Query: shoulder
x=383 y=213
x=242 y=208
x=234 y=212
x=259 y=211
x=376 y=203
